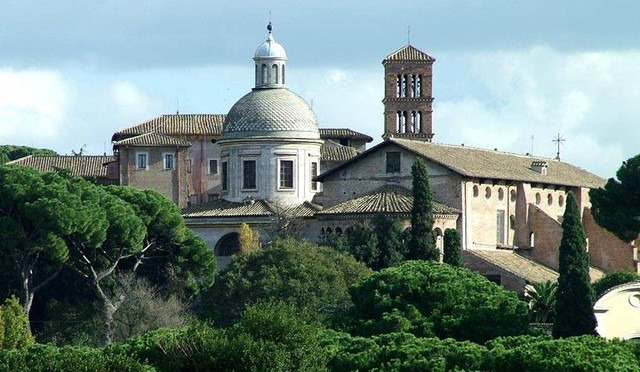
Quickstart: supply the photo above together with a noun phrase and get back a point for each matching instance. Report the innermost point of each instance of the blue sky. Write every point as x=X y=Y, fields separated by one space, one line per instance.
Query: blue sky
x=72 y=72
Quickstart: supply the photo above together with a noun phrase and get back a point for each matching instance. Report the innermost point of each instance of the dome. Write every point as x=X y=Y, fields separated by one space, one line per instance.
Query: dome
x=270 y=49
x=276 y=113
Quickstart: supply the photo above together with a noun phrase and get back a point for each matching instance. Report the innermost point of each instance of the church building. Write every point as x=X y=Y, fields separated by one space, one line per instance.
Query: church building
x=267 y=161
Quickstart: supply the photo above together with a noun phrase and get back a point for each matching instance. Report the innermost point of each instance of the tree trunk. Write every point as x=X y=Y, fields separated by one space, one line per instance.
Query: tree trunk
x=107 y=318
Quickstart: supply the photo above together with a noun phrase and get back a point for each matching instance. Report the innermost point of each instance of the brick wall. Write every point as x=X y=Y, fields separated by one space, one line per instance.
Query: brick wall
x=606 y=251
x=507 y=279
x=547 y=236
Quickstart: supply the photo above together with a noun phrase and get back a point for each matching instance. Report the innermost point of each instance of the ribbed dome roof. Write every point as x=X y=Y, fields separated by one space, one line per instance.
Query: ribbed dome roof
x=277 y=113
x=270 y=49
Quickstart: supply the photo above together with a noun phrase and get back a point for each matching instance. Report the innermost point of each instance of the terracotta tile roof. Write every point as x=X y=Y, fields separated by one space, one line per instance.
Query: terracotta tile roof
x=527 y=269
x=152 y=139
x=337 y=153
x=224 y=208
x=482 y=163
x=387 y=199
x=409 y=53
x=333 y=133
x=255 y=208
x=80 y=166
x=178 y=124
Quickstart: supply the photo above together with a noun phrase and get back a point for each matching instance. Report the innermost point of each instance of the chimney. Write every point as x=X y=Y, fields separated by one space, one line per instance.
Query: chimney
x=540 y=167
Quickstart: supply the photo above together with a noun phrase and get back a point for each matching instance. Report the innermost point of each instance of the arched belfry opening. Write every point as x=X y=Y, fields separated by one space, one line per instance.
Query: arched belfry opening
x=408 y=94
x=271 y=57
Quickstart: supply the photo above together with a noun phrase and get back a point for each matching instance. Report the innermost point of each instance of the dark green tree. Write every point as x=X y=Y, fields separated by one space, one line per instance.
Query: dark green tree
x=175 y=260
x=37 y=211
x=611 y=280
x=12 y=152
x=574 y=297
x=452 y=248
x=422 y=245
x=617 y=206
x=541 y=298
x=429 y=299
x=378 y=244
x=295 y=272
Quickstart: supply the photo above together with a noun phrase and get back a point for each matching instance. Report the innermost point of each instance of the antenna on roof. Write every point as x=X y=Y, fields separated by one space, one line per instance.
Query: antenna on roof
x=177 y=106
x=558 y=140
x=104 y=147
x=408 y=35
x=532 y=144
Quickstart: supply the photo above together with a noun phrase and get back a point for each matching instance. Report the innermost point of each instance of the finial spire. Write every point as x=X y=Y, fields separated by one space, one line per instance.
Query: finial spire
x=558 y=140
x=269 y=26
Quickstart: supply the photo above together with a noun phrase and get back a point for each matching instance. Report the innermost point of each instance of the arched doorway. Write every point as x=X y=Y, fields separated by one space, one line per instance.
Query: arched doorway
x=226 y=247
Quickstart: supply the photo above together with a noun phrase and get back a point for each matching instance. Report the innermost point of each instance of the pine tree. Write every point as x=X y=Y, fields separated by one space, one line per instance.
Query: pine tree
x=422 y=243
x=574 y=296
x=452 y=248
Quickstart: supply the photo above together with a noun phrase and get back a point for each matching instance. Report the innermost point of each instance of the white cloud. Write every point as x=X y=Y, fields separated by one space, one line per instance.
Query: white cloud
x=130 y=101
x=34 y=105
x=590 y=98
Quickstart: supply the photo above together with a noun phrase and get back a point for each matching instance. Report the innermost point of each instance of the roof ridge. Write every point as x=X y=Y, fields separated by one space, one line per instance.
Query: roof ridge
x=494 y=151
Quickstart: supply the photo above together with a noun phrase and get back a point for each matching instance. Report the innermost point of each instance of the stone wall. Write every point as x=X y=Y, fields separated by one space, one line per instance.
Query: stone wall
x=507 y=280
x=606 y=251
x=547 y=236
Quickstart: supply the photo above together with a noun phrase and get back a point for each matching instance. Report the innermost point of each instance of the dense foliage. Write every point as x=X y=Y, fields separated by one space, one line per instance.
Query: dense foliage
x=14 y=326
x=430 y=299
x=422 y=244
x=295 y=272
x=574 y=296
x=379 y=244
x=267 y=337
x=541 y=298
x=452 y=248
x=11 y=152
x=611 y=280
x=617 y=206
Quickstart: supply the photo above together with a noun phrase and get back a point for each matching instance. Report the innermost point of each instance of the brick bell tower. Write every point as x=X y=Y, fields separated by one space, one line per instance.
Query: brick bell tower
x=407 y=94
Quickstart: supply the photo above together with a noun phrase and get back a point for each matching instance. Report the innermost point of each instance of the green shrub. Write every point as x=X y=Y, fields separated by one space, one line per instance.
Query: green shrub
x=14 y=326
x=613 y=279
x=48 y=358
x=296 y=272
x=430 y=299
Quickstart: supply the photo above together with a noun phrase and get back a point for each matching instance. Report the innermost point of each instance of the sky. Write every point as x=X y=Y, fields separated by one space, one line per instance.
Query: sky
x=509 y=75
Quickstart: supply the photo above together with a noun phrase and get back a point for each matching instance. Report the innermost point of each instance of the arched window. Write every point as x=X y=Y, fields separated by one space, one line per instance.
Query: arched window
x=538 y=198
x=414 y=122
x=398 y=85
x=274 y=74
x=500 y=194
x=561 y=200
x=338 y=231
x=439 y=242
x=549 y=199
x=532 y=240
x=257 y=79
x=419 y=87
x=403 y=90
x=329 y=231
x=513 y=195
x=419 y=122
x=512 y=222
x=413 y=86
x=487 y=192
x=282 y=74
x=398 y=122
x=264 y=74
x=475 y=191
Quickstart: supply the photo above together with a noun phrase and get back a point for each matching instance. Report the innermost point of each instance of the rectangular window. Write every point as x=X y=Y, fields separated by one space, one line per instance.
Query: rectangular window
x=249 y=174
x=500 y=230
x=225 y=180
x=141 y=160
x=168 y=161
x=314 y=172
x=189 y=163
x=213 y=166
x=393 y=162
x=286 y=174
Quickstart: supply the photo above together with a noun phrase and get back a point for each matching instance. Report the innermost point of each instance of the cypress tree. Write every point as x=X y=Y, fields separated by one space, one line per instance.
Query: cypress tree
x=422 y=244
x=452 y=248
x=574 y=297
